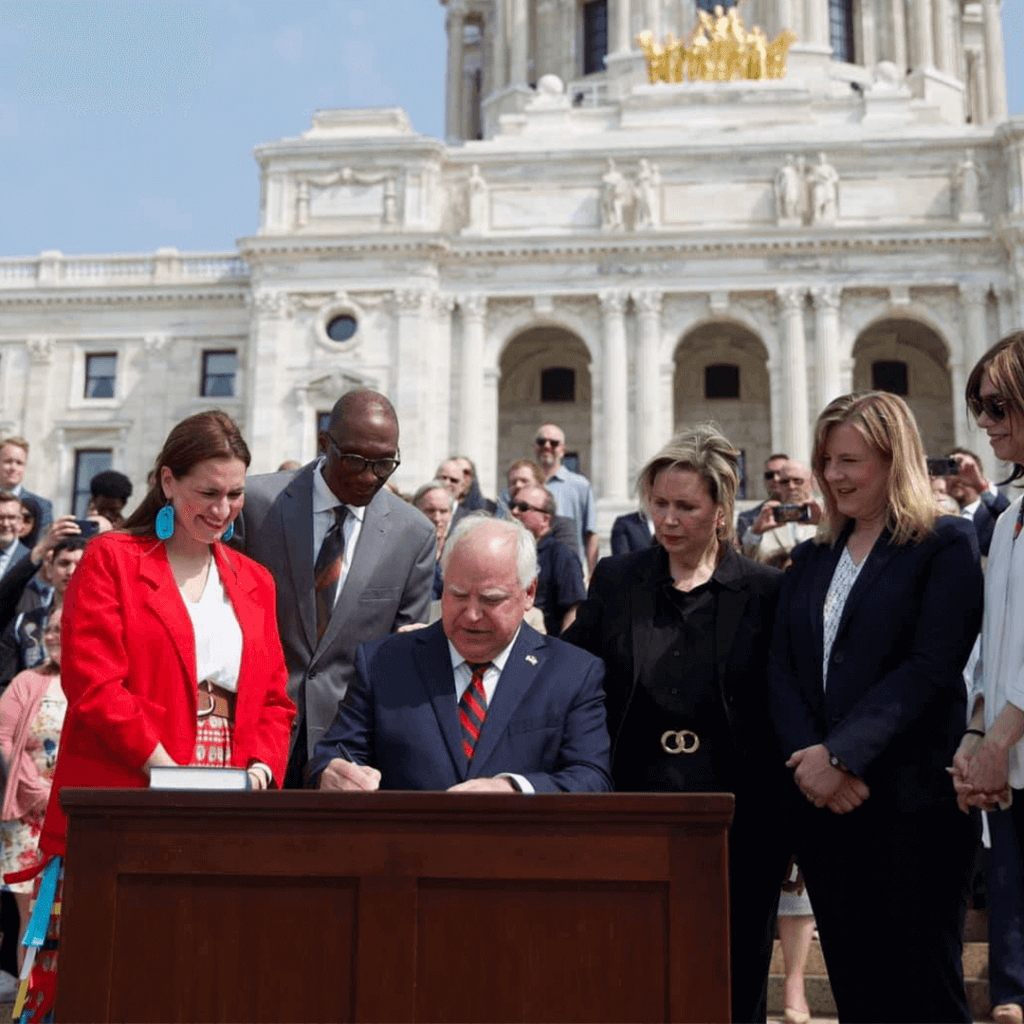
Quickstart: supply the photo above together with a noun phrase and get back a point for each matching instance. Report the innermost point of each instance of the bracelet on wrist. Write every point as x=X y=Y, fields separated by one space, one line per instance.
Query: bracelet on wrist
x=975 y=732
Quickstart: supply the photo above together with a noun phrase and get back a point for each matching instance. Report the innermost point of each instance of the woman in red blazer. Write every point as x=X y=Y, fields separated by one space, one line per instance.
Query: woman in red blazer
x=156 y=672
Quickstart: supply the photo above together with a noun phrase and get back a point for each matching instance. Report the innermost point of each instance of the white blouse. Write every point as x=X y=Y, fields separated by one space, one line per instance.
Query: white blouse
x=843 y=579
x=218 y=635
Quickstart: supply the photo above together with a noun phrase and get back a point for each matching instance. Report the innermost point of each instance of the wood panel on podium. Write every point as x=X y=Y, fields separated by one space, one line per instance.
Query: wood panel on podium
x=304 y=906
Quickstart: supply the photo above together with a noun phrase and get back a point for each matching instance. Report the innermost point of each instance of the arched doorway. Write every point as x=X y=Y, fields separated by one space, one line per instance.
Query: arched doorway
x=908 y=358
x=721 y=374
x=545 y=378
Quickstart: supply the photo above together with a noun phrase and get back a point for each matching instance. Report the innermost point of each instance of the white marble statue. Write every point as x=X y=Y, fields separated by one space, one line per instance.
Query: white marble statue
x=648 y=214
x=479 y=203
x=615 y=194
x=967 y=178
x=824 y=182
x=790 y=191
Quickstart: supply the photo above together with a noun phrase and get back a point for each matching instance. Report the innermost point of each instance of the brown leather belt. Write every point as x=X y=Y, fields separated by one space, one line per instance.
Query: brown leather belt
x=215 y=700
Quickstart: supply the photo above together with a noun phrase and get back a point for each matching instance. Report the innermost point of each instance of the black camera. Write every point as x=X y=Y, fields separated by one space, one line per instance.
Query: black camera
x=943 y=467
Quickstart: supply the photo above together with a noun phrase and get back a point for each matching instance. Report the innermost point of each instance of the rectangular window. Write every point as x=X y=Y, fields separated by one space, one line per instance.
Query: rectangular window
x=220 y=370
x=840 y=15
x=722 y=381
x=88 y=462
x=890 y=375
x=595 y=35
x=558 y=384
x=100 y=375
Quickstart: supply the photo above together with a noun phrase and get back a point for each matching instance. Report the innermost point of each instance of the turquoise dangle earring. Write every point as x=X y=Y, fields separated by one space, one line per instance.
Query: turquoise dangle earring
x=165 y=522
x=228 y=533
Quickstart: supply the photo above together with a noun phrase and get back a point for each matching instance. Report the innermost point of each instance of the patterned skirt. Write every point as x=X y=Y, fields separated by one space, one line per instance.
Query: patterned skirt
x=36 y=997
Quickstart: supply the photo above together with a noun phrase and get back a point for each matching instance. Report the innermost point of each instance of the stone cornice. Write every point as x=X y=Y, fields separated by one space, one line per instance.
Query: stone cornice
x=142 y=295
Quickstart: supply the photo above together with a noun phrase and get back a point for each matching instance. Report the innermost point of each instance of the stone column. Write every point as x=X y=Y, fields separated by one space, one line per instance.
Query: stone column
x=816 y=23
x=974 y=301
x=614 y=377
x=471 y=385
x=547 y=37
x=410 y=397
x=796 y=428
x=268 y=340
x=827 y=301
x=945 y=52
x=898 y=29
x=995 y=65
x=786 y=16
x=623 y=27
x=648 y=371
x=520 y=42
x=440 y=377
x=652 y=18
x=499 y=46
x=455 y=24
x=869 y=36
x=924 y=44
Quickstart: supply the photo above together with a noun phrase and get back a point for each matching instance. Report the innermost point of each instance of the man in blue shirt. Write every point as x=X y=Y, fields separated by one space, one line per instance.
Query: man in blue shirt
x=571 y=491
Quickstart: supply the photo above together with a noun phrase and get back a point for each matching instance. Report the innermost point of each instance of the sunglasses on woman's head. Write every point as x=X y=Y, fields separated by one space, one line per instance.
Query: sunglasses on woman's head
x=993 y=406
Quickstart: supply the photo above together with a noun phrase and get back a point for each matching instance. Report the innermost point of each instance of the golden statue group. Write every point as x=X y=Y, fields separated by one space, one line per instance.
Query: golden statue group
x=718 y=50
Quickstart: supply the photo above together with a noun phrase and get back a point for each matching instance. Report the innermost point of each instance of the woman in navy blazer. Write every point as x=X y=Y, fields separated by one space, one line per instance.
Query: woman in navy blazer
x=876 y=621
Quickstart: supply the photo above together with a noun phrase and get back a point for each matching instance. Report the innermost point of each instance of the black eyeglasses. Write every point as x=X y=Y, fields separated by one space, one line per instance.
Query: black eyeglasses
x=356 y=464
x=521 y=506
x=770 y=474
x=993 y=406
x=547 y=442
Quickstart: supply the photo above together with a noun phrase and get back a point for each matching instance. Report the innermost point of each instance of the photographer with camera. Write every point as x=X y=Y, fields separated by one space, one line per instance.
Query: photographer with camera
x=978 y=499
x=784 y=523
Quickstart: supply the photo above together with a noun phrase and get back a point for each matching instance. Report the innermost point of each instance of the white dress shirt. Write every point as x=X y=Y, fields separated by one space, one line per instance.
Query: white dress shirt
x=324 y=503
x=464 y=676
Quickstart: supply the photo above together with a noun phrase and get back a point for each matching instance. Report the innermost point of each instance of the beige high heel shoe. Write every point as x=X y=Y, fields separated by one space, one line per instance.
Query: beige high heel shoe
x=791 y=1016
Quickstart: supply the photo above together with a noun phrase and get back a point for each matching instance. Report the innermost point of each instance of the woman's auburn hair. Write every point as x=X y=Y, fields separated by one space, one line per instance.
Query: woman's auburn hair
x=706 y=451
x=1004 y=363
x=888 y=426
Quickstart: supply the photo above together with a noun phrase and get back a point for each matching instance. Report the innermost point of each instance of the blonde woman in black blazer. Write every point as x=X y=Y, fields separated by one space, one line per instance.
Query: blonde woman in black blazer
x=876 y=621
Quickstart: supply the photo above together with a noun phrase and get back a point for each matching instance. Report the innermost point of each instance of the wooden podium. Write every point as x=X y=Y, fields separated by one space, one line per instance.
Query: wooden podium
x=306 y=906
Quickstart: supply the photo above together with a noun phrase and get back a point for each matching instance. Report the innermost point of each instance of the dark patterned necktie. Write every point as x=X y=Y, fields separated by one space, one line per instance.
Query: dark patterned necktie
x=328 y=570
x=473 y=708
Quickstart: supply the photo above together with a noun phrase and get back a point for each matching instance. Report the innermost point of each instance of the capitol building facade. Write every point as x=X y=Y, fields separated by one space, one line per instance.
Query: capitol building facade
x=587 y=247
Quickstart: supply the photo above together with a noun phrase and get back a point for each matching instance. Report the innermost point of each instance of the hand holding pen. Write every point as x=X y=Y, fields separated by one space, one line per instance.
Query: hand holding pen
x=344 y=774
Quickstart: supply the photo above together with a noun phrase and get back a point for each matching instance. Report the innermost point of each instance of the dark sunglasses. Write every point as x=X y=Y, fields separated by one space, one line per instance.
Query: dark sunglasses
x=770 y=474
x=547 y=442
x=355 y=464
x=521 y=506
x=993 y=406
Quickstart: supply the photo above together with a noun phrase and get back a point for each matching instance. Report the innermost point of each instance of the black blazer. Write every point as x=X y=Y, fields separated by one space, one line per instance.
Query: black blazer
x=894 y=708
x=615 y=620
x=630 y=533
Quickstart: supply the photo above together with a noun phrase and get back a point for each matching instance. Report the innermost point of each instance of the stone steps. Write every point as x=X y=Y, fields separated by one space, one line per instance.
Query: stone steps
x=819 y=992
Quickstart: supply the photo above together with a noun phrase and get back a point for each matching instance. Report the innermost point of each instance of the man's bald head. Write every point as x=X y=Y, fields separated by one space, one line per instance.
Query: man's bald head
x=358 y=409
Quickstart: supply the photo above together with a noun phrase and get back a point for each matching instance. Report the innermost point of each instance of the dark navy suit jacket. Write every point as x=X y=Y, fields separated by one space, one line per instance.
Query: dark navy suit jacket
x=545 y=722
x=893 y=710
x=985 y=516
x=630 y=533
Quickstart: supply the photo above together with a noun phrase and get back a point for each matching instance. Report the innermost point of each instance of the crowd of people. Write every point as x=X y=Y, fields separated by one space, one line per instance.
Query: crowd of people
x=316 y=629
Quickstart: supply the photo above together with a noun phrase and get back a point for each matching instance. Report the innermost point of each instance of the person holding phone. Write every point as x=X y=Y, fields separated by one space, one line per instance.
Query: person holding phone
x=785 y=521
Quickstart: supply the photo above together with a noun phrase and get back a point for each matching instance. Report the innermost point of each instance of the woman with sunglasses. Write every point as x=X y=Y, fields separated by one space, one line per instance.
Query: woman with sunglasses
x=988 y=769
x=876 y=620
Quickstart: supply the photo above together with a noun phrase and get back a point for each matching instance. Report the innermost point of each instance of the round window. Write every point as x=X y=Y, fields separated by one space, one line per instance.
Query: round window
x=341 y=328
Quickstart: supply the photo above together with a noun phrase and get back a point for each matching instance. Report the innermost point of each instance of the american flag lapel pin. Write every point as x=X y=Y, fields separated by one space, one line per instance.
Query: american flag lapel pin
x=531 y=659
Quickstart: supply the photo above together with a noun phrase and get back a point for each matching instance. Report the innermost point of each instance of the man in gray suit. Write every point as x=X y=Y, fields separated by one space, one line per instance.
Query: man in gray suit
x=352 y=562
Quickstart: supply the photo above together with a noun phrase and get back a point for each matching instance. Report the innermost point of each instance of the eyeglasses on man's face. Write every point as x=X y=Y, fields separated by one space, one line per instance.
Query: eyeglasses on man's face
x=994 y=407
x=356 y=464
x=547 y=442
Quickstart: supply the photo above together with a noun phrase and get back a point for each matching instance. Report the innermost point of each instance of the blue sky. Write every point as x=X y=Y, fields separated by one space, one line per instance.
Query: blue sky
x=127 y=126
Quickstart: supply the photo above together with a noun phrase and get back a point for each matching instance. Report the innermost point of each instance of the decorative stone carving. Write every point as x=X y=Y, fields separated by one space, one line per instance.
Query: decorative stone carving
x=154 y=344
x=647 y=301
x=613 y=302
x=790 y=192
x=550 y=95
x=967 y=188
x=827 y=296
x=479 y=204
x=615 y=196
x=648 y=210
x=41 y=348
x=348 y=177
x=409 y=301
x=823 y=180
x=474 y=306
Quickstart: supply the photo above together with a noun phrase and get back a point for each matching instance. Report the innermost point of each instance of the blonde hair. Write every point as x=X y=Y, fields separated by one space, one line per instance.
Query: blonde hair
x=706 y=451
x=888 y=426
x=1004 y=363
